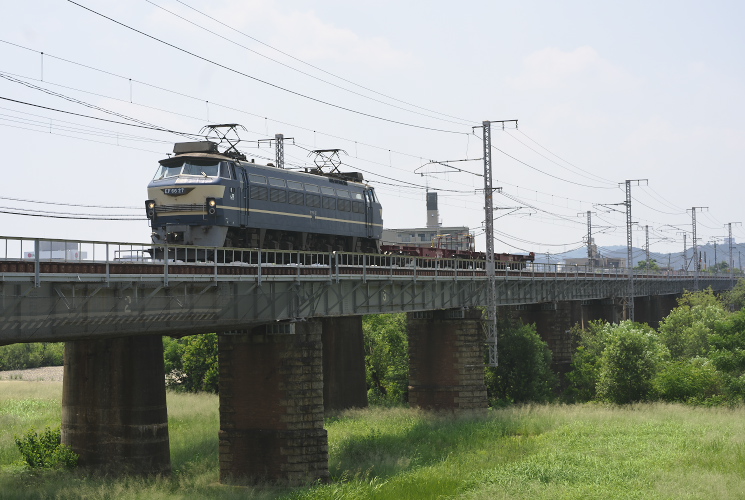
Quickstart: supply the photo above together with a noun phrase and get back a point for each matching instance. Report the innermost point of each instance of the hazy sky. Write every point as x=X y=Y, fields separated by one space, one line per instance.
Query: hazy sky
x=603 y=92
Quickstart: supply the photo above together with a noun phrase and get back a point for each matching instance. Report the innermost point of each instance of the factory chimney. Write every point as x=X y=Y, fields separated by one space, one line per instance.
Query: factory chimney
x=433 y=215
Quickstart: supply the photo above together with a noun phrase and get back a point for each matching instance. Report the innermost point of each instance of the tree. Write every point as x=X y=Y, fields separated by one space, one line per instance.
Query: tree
x=735 y=298
x=585 y=373
x=191 y=362
x=648 y=265
x=386 y=358
x=686 y=330
x=630 y=360
x=524 y=372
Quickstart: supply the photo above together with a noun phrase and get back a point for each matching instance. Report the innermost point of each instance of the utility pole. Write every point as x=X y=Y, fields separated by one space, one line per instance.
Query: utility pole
x=590 y=256
x=696 y=262
x=731 y=260
x=629 y=241
x=491 y=325
x=279 y=150
x=685 y=251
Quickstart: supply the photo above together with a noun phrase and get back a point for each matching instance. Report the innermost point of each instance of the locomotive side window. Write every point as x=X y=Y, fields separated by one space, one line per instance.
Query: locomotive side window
x=276 y=182
x=225 y=170
x=358 y=207
x=295 y=198
x=342 y=193
x=312 y=188
x=329 y=203
x=328 y=191
x=357 y=196
x=344 y=205
x=278 y=195
x=295 y=185
x=313 y=200
x=259 y=192
x=256 y=179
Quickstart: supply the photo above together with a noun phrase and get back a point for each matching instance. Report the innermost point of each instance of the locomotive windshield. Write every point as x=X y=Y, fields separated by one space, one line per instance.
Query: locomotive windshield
x=201 y=168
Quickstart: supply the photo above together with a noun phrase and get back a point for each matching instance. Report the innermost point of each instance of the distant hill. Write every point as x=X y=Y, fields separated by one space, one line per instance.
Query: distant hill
x=675 y=259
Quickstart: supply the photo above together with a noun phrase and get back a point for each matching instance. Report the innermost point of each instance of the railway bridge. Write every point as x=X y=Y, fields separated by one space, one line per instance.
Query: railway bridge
x=290 y=336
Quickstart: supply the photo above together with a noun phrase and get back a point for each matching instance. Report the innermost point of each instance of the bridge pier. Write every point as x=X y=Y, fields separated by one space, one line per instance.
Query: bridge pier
x=271 y=405
x=446 y=360
x=114 y=411
x=344 y=381
x=651 y=309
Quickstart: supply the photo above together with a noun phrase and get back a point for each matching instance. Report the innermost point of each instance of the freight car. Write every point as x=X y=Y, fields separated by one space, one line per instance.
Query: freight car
x=501 y=260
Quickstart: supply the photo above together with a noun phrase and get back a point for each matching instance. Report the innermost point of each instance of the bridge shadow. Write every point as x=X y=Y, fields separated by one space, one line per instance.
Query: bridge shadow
x=383 y=447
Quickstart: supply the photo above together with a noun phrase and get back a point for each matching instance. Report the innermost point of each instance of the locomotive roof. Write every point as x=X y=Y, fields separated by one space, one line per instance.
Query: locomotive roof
x=221 y=157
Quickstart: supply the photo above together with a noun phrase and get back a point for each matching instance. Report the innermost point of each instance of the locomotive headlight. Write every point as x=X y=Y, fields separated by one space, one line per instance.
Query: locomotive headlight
x=150 y=208
x=211 y=206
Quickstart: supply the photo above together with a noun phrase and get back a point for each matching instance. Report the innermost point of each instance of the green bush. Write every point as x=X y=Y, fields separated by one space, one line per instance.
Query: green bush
x=33 y=355
x=690 y=380
x=191 y=363
x=524 y=372
x=45 y=451
x=585 y=374
x=686 y=330
x=629 y=362
x=386 y=358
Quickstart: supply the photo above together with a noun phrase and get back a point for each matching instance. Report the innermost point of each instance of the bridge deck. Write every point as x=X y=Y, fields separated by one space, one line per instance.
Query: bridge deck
x=52 y=297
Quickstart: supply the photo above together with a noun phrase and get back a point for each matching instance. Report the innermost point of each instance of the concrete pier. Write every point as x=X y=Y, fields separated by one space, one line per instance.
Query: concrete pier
x=271 y=405
x=446 y=360
x=344 y=381
x=114 y=405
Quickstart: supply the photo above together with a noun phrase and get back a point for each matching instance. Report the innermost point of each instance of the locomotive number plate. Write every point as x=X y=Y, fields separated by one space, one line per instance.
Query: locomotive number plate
x=176 y=191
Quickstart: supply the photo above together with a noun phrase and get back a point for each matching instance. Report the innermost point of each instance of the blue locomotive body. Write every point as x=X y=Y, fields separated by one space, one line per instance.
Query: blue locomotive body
x=205 y=198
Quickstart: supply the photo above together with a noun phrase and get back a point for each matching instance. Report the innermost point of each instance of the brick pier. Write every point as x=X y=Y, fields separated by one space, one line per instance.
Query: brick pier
x=271 y=405
x=446 y=360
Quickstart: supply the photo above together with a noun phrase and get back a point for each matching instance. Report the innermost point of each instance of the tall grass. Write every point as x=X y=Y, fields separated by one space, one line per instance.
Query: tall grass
x=553 y=451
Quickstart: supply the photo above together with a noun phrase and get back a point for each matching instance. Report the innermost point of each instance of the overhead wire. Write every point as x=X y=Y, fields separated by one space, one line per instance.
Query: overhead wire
x=316 y=67
x=298 y=70
x=279 y=87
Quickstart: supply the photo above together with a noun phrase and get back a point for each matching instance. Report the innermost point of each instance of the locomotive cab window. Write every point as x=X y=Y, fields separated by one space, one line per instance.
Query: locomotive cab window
x=191 y=166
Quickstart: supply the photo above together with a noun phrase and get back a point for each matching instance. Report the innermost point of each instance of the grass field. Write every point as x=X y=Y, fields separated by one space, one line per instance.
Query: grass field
x=551 y=451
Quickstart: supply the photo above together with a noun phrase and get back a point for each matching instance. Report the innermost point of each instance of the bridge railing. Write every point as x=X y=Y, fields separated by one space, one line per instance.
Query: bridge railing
x=43 y=257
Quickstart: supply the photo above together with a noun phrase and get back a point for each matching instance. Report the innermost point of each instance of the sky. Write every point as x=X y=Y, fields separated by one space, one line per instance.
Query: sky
x=603 y=92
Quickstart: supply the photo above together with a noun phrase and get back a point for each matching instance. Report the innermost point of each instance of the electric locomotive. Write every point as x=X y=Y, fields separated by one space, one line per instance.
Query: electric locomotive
x=203 y=197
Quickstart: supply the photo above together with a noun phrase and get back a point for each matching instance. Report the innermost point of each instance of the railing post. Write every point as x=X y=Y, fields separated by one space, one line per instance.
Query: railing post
x=37 y=270
x=214 y=258
x=108 y=267
x=165 y=264
x=364 y=268
x=258 y=272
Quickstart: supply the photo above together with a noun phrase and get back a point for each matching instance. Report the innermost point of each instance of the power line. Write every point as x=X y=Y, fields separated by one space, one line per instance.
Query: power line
x=279 y=87
x=318 y=68
x=201 y=100
x=298 y=70
x=591 y=177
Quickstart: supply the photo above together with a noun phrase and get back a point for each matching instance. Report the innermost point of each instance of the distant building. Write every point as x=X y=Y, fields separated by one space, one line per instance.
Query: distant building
x=434 y=235
x=604 y=262
x=452 y=238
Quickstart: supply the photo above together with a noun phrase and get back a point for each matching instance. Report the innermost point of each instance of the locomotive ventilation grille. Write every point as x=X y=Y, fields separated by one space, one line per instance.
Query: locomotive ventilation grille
x=193 y=207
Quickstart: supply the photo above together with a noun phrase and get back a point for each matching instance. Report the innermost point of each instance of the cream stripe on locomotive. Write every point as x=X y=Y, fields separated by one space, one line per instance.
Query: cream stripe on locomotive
x=271 y=212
